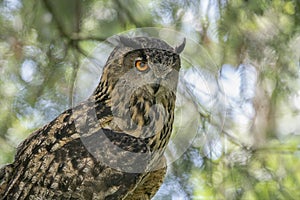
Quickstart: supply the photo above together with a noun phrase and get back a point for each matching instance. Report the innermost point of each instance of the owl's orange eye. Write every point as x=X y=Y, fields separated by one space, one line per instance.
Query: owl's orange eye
x=141 y=65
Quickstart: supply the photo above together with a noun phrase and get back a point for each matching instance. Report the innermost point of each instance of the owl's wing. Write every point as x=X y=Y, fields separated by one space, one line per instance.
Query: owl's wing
x=5 y=174
x=150 y=184
x=56 y=162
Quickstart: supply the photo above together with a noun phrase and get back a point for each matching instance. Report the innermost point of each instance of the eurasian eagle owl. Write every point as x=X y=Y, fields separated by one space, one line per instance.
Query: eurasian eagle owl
x=111 y=145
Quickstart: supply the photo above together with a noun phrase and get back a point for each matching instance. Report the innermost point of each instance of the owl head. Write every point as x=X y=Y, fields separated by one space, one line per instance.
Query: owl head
x=141 y=76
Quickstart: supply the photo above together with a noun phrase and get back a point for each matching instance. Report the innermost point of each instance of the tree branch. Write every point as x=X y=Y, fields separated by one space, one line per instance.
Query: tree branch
x=56 y=20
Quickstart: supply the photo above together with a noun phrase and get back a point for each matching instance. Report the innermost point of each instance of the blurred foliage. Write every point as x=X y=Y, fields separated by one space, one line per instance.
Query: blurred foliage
x=246 y=147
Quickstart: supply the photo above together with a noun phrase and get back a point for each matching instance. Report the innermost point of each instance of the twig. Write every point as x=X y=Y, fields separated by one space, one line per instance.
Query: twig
x=57 y=21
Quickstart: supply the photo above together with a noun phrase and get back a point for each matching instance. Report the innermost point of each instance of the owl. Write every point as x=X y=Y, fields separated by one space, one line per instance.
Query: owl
x=111 y=145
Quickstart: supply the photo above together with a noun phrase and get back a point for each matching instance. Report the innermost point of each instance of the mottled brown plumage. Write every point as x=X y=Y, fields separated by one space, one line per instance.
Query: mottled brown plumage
x=111 y=145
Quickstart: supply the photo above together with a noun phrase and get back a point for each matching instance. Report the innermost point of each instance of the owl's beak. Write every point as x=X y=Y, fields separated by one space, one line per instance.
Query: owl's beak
x=155 y=87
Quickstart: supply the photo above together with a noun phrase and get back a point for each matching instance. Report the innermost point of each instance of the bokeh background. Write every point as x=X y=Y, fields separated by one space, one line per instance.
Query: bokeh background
x=238 y=100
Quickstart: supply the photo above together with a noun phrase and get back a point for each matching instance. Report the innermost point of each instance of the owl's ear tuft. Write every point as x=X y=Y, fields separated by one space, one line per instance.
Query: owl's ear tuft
x=179 y=49
x=129 y=42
